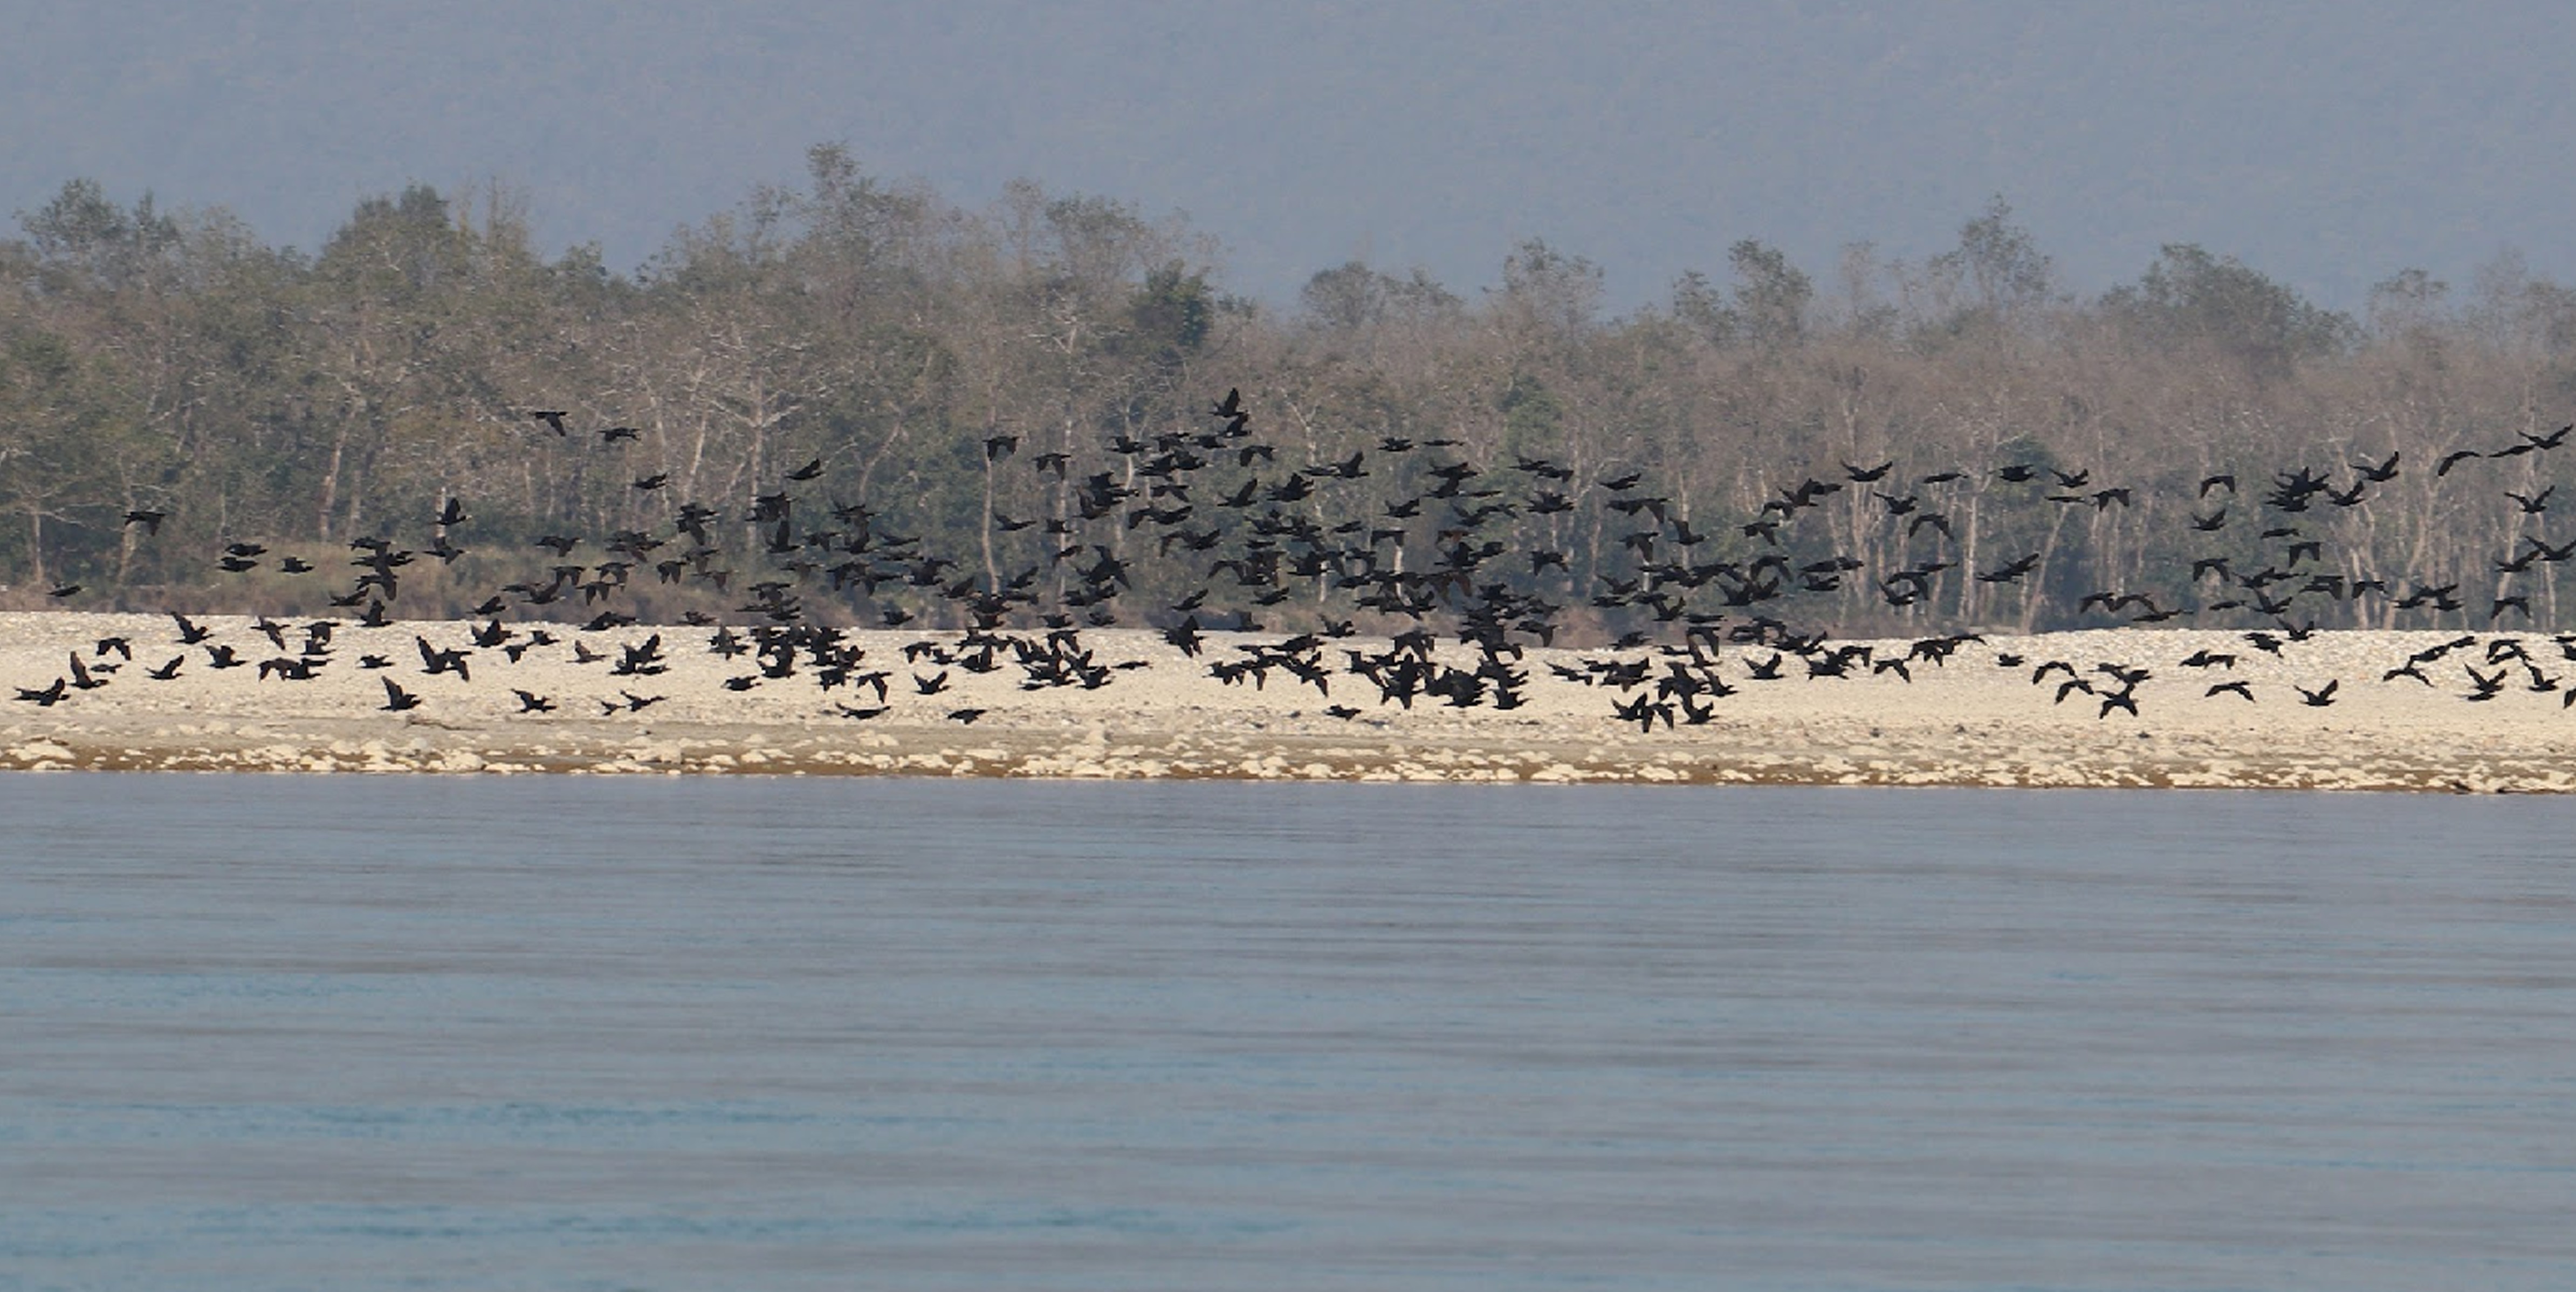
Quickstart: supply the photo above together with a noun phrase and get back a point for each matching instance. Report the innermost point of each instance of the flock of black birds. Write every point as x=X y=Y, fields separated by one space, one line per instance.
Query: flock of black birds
x=1217 y=500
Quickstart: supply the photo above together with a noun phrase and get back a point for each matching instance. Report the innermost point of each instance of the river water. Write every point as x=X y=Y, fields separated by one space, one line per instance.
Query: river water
x=335 y=1033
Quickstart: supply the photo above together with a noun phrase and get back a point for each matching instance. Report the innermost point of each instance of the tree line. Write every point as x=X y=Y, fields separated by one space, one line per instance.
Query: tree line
x=170 y=361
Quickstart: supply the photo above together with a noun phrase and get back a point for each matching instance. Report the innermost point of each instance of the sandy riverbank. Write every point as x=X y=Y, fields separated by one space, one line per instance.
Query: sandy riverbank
x=1973 y=721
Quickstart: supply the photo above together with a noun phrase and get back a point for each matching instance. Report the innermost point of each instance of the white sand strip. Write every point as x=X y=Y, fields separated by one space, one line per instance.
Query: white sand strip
x=1973 y=721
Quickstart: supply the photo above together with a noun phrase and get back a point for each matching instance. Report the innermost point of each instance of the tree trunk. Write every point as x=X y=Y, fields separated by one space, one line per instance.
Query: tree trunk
x=36 y=544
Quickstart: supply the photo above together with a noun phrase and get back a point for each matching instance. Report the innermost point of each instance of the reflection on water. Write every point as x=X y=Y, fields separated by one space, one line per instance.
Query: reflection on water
x=318 y=1032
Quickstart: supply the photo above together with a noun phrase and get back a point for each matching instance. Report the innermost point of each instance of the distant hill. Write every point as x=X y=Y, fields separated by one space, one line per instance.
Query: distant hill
x=2329 y=144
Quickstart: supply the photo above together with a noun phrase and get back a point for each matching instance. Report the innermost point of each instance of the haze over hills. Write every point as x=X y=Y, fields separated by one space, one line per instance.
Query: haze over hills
x=2327 y=144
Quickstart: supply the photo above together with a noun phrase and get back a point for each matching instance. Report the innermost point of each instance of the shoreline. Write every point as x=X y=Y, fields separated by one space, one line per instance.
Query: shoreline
x=1972 y=721
x=686 y=752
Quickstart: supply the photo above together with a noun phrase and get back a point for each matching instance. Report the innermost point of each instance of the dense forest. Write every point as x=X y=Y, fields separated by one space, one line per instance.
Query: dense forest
x=964 y=374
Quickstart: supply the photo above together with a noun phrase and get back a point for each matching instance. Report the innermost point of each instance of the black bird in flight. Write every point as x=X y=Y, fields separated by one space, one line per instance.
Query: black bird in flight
x=2009 y=572
x=552 y=417
x=398 y=699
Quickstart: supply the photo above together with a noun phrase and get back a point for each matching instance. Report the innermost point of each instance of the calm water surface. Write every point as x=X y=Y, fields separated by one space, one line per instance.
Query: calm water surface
x=331 y=1033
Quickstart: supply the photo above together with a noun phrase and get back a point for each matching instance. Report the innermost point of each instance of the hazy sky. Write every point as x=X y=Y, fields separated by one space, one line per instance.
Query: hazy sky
x=2329 y=143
